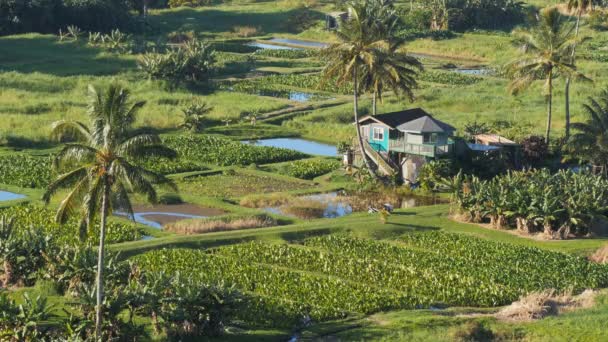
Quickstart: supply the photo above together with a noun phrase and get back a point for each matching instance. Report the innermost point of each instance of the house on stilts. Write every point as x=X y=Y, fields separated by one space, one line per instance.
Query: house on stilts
x=402 y=142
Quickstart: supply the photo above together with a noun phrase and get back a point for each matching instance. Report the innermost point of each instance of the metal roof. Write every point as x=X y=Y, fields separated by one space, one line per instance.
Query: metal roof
x=494 y=139
x=411 y=120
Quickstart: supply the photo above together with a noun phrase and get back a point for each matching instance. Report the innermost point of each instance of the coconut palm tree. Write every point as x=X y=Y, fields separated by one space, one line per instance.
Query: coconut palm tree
x=580 y=6
x=363 y=41
x=546 y=55
x=392 y=71
x=590 y=142
x=100 y=168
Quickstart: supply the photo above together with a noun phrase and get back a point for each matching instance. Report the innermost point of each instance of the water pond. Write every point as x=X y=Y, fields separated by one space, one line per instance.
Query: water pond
x=271 y=46
x=301 y=145
x=159 y=215
x=10 y=196
x=338 y=204
x=297 y=96
x=473 y=72
x=297 y=42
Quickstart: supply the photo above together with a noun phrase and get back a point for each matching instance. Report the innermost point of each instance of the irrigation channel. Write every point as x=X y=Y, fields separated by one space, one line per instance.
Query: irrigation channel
x=10 y=196
x=297 y=144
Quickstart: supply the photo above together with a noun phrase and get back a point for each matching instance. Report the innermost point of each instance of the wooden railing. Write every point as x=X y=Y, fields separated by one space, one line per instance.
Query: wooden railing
x=428 y=150
x=387 y=167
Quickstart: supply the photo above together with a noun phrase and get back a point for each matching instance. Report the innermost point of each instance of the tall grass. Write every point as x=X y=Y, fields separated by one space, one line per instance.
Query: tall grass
x=220 y=224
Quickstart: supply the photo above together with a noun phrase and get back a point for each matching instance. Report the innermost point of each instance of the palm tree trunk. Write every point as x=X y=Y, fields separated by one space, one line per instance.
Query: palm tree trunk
x=572 y=60
x=356 y=113
x=8 y=273
x=549 y=108
x=374 y=103
x=100 y=263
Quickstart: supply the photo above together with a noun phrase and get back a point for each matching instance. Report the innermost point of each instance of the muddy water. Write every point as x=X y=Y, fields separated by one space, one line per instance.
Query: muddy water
x=338 y=204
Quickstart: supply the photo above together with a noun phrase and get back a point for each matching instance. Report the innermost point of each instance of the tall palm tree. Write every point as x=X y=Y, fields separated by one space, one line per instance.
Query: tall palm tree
x=358 y=45
x=580 y=6
x=547 y=48
x=100 y=167
x=364 y=41
x=591 y=140
x=392 y=71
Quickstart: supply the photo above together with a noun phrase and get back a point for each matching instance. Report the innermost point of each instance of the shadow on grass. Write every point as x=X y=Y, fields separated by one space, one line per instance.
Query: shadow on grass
x=218 y=21
x=45 y=54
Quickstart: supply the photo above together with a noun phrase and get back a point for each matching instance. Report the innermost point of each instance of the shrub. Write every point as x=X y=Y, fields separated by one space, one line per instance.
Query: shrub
x=179 y=37
x=534 y=149
x=190 y=63
x=170 y=198
x=300 y=20
x=246 y=31
x=432 y=173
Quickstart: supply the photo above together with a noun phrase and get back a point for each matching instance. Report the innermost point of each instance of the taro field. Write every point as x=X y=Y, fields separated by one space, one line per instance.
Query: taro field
x=336 y=276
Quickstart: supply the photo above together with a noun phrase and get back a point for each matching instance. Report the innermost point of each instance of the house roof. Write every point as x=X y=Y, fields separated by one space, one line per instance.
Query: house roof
x=494 y=139
x=411 y=120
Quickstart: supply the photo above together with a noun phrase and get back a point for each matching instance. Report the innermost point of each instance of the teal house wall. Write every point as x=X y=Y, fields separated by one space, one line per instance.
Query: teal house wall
x=379 y=145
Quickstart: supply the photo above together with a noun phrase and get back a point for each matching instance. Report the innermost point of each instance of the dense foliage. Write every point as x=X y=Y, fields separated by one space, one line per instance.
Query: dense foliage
x=190 y=63
x=463 y=14
x=51 y=15
x=43 y=220
x=310 y=168
x=330 y=277
x=224 y=152
x=559 y=204
x=25 y=171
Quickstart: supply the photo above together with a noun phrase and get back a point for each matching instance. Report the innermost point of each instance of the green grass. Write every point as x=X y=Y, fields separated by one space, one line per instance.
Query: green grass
x=240 y=183
x=363 y=225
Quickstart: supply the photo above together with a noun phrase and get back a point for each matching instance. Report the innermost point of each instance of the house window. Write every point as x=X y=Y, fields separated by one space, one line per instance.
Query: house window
x=379 y=133
x=430 y=138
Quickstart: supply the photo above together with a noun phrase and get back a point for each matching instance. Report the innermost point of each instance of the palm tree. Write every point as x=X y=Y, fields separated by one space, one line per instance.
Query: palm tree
x=591 y=141
x=394 y=71
x=580 y=6
x=546 y=54
x=101 y=168
x=364 y=40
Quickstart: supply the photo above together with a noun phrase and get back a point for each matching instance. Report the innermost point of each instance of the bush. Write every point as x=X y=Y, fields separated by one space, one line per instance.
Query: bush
x=432 y=173
x=170 y=198
x=246 y=31
x=535 y=150
x=190 y=63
